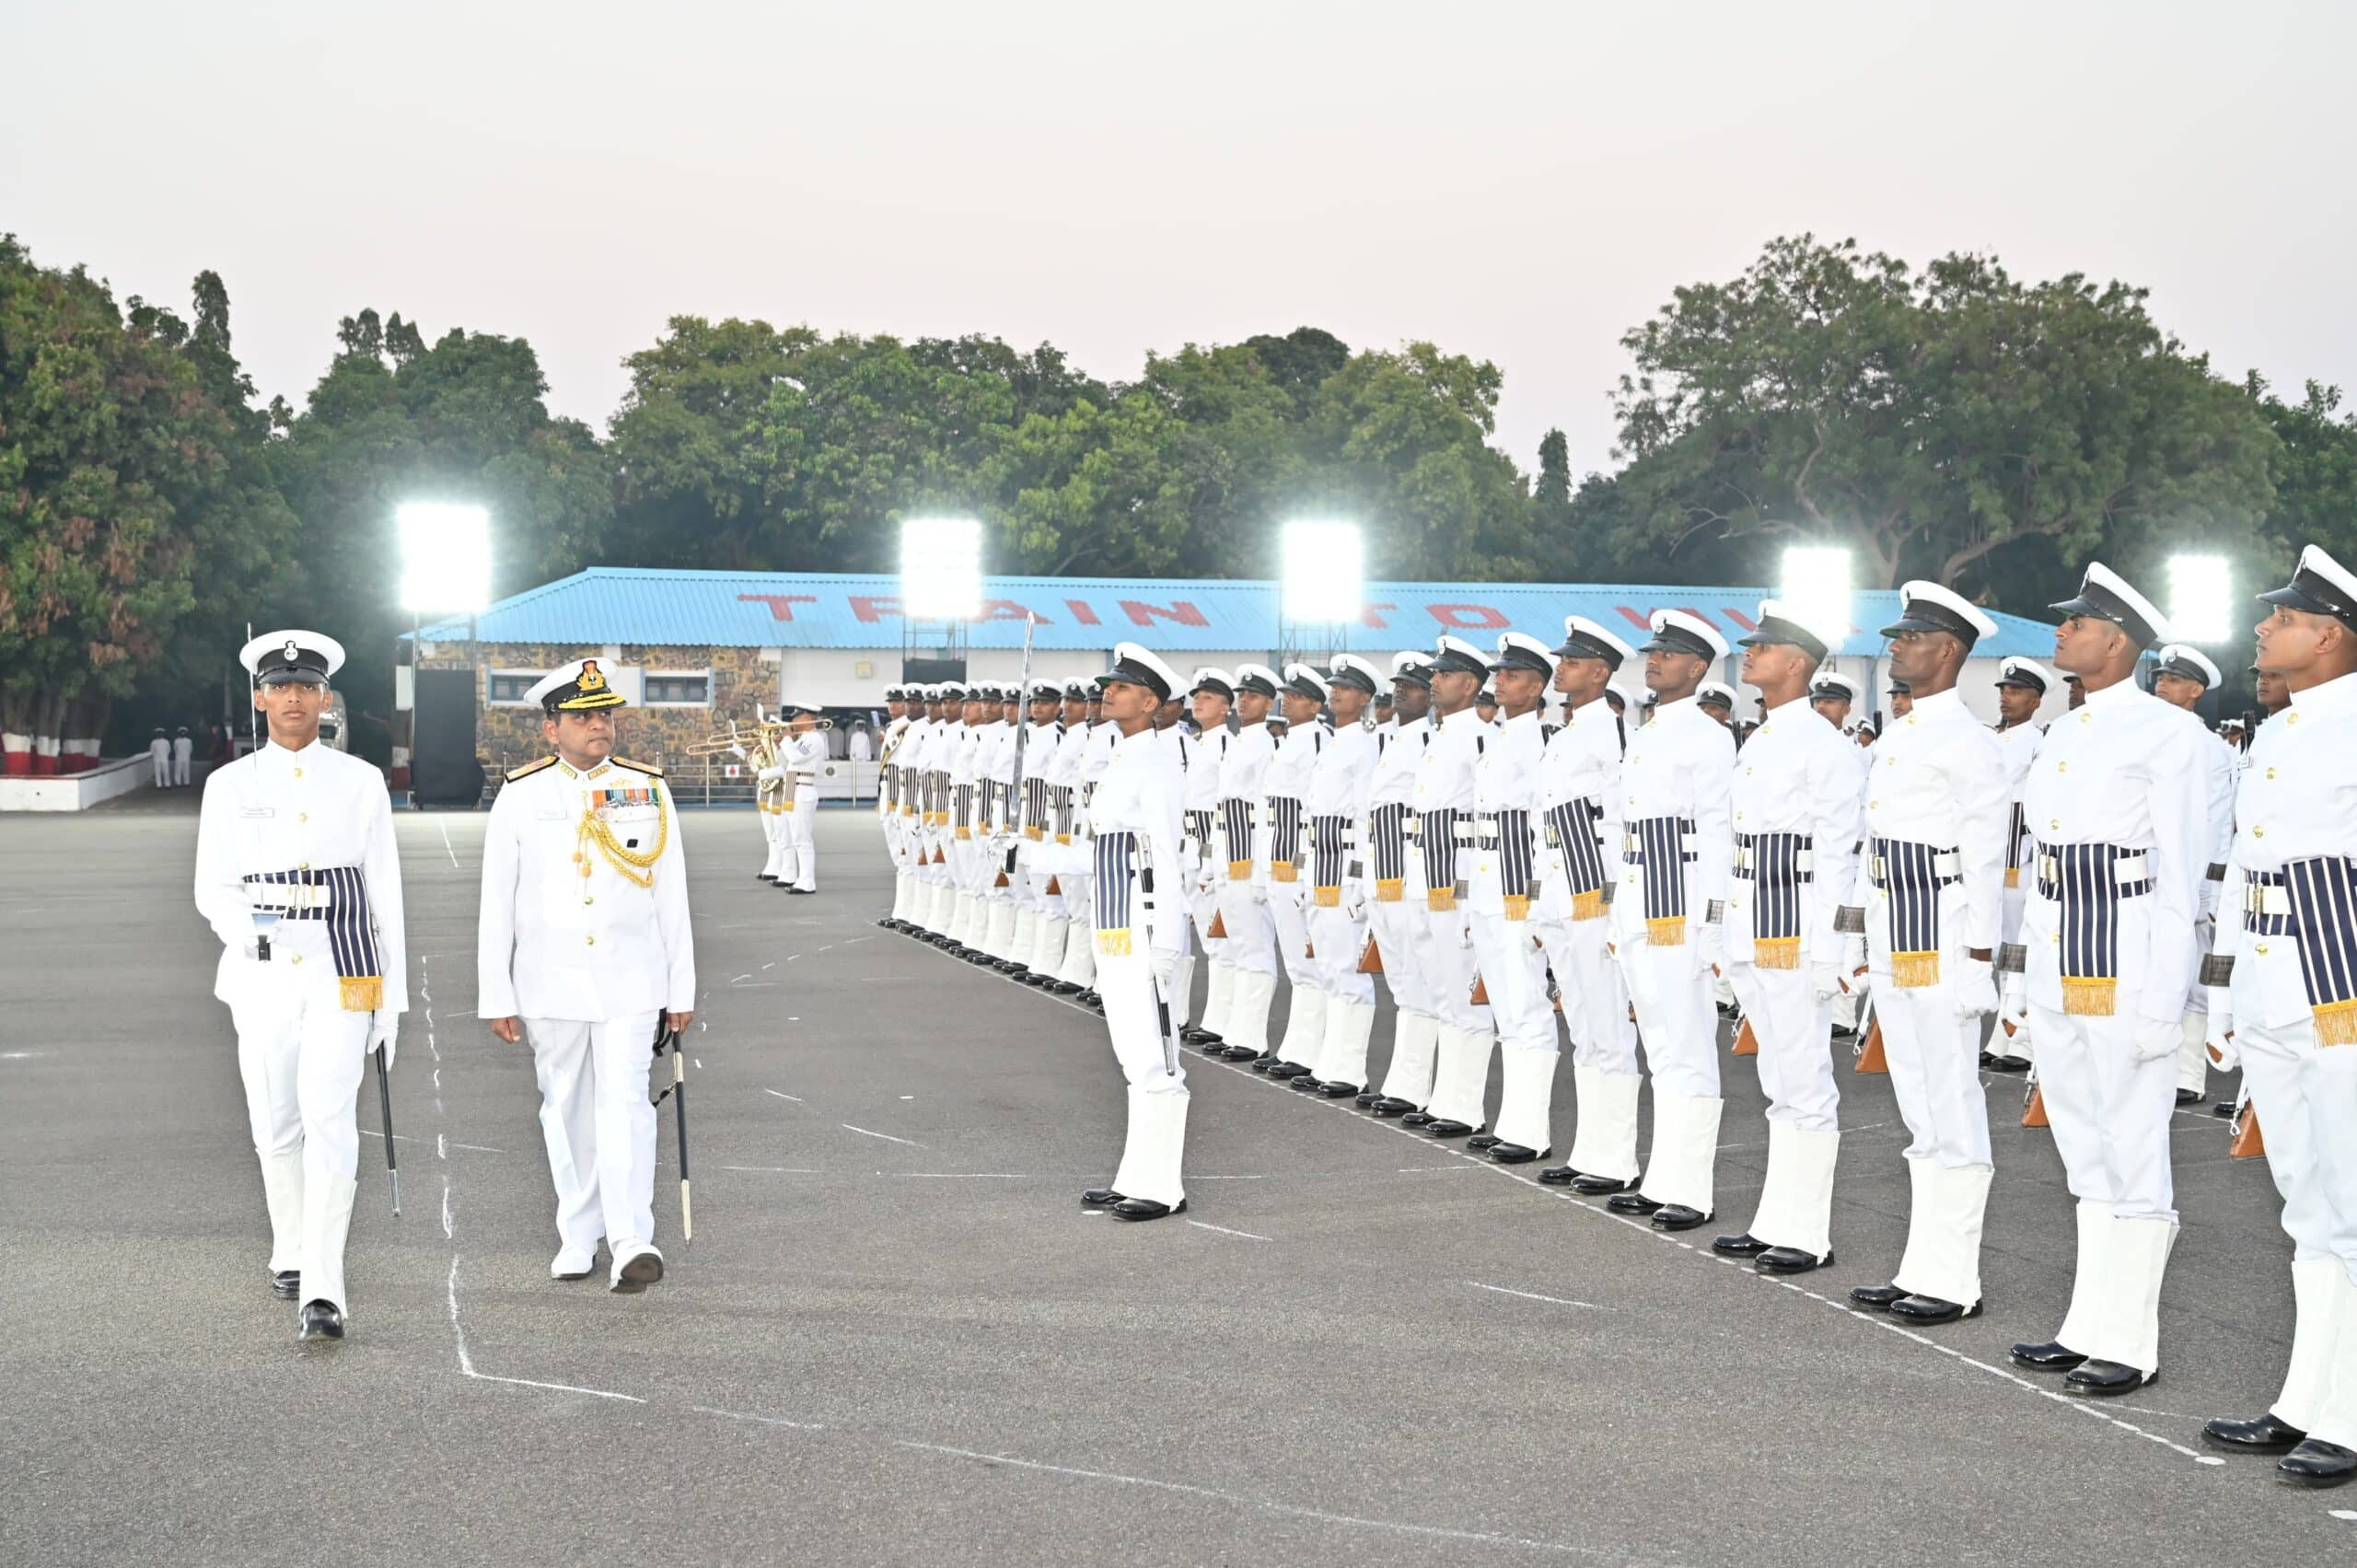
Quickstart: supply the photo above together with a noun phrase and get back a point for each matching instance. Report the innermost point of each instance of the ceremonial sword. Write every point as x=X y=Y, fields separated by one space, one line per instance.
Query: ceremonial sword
x=671 y=1038
x=385 y=1116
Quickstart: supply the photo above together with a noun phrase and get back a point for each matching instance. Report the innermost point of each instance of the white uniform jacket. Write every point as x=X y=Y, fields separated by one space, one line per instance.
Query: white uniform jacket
x=2295 y=854
x=1135 y=812
x=1796 y=808
x=1579 y=795
x=1507 y=826
x=1676 y=842
x=1937 y=779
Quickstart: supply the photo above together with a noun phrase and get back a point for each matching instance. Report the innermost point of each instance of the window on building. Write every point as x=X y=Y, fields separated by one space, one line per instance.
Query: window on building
x=678 y=690
x=509 y=688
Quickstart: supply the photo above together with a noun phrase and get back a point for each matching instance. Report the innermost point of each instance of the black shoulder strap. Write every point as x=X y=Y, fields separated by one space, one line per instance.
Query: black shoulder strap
x=1548 y=732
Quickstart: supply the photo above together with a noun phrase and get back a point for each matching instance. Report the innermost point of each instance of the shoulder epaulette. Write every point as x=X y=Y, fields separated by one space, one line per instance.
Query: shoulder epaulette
x=528 y=769
x=648 y=769
x=1549 y=731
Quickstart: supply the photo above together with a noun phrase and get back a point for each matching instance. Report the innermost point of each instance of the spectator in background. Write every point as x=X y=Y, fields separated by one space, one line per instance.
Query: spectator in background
x=862 y=744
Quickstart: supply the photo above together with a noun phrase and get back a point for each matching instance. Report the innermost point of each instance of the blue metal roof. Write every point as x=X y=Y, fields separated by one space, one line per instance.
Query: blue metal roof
x=797 y=609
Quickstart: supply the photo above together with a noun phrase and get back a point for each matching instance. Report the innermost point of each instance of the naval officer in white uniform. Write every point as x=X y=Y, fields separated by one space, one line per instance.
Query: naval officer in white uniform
x=583 y=950
x=298 y=875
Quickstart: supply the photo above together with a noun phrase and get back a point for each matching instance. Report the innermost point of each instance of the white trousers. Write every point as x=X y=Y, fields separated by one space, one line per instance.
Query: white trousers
x=1935 y=1060
x=1595 y=999
x=1676 y=1013
x=1252 y=936
x=163 y=771
x=2110 y=1091
x=301 y=1056
x=599 y=1126
x=1155 y=1146
x=1795 y=1028
x=179 y=769
x=1338 y=941
x=799 y=825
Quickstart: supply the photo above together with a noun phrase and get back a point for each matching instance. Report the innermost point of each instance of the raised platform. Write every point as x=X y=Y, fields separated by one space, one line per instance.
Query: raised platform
x=76 y=792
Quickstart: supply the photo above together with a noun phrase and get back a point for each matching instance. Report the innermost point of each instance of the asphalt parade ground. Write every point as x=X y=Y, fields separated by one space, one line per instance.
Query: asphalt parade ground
x=898 y=1338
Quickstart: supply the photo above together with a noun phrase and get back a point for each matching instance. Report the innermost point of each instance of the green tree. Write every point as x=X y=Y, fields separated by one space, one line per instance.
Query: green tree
x=394 y=420
x=131 y=485
x=1937 y=424
x=2315 y=475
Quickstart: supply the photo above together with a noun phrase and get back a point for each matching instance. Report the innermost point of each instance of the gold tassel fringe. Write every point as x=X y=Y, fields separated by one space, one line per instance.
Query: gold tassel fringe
x=1911 y=970
x=1239 y=871
x=1668 y=930
x=1589 y=905
x=1388 y=890
x=2336 y=1023
x=1283 y=871
x=1517 y=907
x=1114 y=943
x=361 y=992
x=1440 y=901
x=2086 y=997
x=1328 y=897
x=1776 y=952
x=2013 y=877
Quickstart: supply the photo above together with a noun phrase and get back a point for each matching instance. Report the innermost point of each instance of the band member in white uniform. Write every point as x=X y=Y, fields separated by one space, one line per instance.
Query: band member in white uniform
x=2118 y=801
x=1282 y=871
x=1676 y=853
x=1500 y=878
x=1445 y=834
x=582 y=951
x=1142 y=934
x=1931 y=887
x=1034 y=905
x=1203 y=863
x=1251 y=948
x=2022 y=685
x=2288 y=934
x=1336 y=808
x=1579 y=868
x=2182 y=676
x=801 y=751
x=1796 y=805
x=1395 y=879
x=1065 y=936
x=297 y=874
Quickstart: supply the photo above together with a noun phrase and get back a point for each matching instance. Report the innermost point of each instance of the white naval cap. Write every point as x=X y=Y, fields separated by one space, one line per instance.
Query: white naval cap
x=1356 y=673
x=1413 y=666
x=2107 y=595
x=1134 y=666
x=1216 y=680
x=1677 y=632
x=1717 y=691
x=1257 y=677
x=573 y=688
x=278 y=657
x=1519 y=650
x=2180 y=658
x=1924 y=605
x=1455 y=655
x=1304 y=681
x=2026 y=673
x=1583 y=638
x=1833 y=683
x=1779 y=625
x=2319 y=585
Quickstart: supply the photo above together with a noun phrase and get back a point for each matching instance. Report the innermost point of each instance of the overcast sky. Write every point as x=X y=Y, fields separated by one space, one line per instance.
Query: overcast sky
x=1519 y=183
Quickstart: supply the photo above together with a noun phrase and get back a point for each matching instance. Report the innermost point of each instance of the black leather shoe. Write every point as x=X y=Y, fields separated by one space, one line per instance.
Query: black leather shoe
x=1302 y=1082
x=2105 y=1378
x=1090 y=999
x=1789 y=1261
x=1602 y=1186
x=2223 y=1111
x=2009 y=1064
x=1925 y=1310
x=320 y=1321
x=2263 y=1434
x=1744 y=1246
x=1988 y=1059
x=1441 y=1127
x=1482 y=1140
x=285 y=1283
x=1678 y=1216
x=1512 y=1153
x=1099 y=1198
x=1632 y=1204
x=1332 y=1090
x=1368 y=1098
x=2050 y=1356
x=1415 y=1118
x=2318 y=1463
x=1559 y=1176
x=1195 y=1034
x=2187 y=1096
x=1237 y=1054
x=1146 y=1209
x=1267 y=1060
x=1282 y=1070
x=1212 y=1048
x=1392 y=1105
x=1876 y=1298
x=1064 y=988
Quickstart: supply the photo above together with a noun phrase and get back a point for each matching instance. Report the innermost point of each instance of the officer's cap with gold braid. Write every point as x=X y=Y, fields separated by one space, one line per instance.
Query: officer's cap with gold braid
x=575 y=687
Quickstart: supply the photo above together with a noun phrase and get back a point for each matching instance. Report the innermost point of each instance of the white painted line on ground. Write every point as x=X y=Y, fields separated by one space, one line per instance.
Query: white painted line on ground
x=1534 y=1295
x=742 y=977
x=758 y=1420
x=1414 y=1169
x=477 y=1148
x=445 y=840
x=1224 y=1231
x=2343 y=1513
x=441 y=1149
x=397 y=1137
x=771 y=965
x=445 y=1208
x=886 y=1136
x=17 y=1055
x=781 y=1095
x=775 y=1169
x=467 y=1362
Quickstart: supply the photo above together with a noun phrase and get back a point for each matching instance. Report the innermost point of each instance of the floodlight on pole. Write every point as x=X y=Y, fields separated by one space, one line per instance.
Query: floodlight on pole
x=1325 y=571
x=446 y=557
x=1816 y=590
x=2202 y=608
x=941 y=568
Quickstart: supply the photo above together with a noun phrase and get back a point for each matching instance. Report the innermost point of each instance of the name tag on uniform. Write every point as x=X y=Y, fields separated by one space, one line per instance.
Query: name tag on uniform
x=250 y=812
x=551 y=814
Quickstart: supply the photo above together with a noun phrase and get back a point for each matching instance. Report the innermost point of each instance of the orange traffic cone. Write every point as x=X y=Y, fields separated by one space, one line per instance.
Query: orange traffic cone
x=1481 y=997
x=1745 y=1042
x=1055 y=888
x=2033 y=1113
x=2247 y=1143
x=1001 y=880
x=1310 y=949
x=1870 y=1054
x=1218 y=926
x=1371 y=957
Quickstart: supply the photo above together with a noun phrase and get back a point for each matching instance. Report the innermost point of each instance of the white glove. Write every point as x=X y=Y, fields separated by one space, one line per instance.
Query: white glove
x=2220 y=1040
x=2156 y=1038
x=1853 y=962
x=1711 y=946
x=382 y=1027
x=1165 y=975
x=1825 y=978
x=1976 y=987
